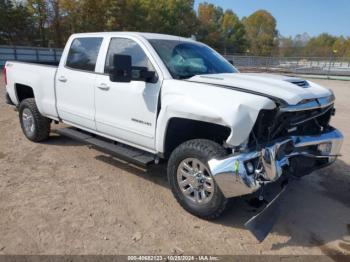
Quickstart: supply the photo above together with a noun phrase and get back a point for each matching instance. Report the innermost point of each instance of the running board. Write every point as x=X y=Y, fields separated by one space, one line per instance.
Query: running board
x=121 y=151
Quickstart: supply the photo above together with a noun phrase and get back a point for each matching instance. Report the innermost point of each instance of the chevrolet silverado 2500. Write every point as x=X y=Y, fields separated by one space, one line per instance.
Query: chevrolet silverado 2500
x=146 y=97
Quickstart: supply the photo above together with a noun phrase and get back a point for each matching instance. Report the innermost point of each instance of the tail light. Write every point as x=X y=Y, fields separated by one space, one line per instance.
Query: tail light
x=4 y=75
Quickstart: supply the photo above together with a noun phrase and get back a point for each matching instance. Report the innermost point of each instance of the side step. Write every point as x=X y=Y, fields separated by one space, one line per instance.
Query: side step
x=124 y=152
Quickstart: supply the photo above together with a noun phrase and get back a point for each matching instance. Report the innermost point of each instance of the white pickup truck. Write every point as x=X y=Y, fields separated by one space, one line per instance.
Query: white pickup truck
x=146 y=97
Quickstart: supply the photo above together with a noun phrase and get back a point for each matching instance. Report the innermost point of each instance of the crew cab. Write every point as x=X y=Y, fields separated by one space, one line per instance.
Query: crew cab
x=151 y=97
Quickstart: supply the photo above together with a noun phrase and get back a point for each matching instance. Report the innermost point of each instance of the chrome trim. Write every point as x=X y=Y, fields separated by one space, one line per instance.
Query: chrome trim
x=313 y=104
x=306 y=154
x=273 y=166
x=231 y=175
x=234 y=180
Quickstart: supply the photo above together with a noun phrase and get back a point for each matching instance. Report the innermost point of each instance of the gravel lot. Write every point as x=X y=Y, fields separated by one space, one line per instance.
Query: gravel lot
x=62 y=197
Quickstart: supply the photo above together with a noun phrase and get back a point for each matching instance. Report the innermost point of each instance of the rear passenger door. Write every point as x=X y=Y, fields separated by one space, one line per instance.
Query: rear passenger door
x=75 y=82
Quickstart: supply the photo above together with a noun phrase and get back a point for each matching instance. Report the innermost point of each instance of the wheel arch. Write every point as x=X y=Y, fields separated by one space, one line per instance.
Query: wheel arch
x=23 y=92
x=179 y=130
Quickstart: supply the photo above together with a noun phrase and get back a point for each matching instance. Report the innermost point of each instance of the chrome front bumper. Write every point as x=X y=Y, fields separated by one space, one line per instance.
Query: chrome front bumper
x=234 y=179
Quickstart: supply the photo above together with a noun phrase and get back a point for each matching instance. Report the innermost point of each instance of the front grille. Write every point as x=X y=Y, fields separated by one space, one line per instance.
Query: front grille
x=273 y=124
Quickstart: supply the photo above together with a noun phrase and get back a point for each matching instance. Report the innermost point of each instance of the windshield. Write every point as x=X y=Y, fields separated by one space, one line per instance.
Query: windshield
x=186 y=59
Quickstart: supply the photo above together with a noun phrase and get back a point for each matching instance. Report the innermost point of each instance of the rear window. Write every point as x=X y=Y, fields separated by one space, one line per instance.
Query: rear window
x=83 y=53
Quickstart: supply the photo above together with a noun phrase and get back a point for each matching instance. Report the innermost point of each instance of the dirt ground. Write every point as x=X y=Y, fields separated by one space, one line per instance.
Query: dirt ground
x=62 y=197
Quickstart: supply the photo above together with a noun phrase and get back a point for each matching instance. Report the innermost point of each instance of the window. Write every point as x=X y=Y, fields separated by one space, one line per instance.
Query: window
x=124 y=46
x=186 y=59
x=83 y=53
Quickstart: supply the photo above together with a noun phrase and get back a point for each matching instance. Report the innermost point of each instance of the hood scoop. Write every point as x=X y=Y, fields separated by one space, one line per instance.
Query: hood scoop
x=299 y=82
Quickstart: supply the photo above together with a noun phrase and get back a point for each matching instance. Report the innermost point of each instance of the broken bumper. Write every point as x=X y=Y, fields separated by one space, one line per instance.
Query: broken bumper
x=234 y=177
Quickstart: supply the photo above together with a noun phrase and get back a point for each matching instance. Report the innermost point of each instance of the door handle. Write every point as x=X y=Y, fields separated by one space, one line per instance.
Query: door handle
x=62 y=79
x=103 y=86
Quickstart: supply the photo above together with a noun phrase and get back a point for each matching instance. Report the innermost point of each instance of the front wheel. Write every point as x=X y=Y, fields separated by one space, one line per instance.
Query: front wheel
x=191 y=181
x=34 y=126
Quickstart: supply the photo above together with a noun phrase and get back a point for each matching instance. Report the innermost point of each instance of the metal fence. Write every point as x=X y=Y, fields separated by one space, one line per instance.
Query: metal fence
x=29 y=54
x=296 y=65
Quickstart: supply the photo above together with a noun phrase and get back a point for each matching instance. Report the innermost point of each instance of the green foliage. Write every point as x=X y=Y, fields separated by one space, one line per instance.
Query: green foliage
x=221 y=29
x=289 y=47
x=261 y=33
x=15 y=23
x=341 y=47
x=51 y=22
x=321 y=45
x=209 y=24
x=38 y=9
x=324 y=45
x=233 y=33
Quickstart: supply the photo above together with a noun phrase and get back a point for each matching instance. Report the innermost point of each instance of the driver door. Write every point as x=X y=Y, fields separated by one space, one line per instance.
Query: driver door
x=127 y=111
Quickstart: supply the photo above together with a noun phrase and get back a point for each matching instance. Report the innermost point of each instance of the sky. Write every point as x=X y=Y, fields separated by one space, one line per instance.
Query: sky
x=297 y=16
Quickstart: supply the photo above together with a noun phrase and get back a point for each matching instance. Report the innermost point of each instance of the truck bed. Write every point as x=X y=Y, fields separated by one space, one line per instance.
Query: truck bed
x=40 y=76
x=43 y=63
x=50 y=63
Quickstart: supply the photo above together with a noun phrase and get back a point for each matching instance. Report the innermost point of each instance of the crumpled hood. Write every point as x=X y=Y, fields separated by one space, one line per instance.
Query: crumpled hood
x=282 y=87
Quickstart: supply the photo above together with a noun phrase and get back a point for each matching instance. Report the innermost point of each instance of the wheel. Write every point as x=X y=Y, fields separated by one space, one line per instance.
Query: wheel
x=191 y=181
x=34 y=126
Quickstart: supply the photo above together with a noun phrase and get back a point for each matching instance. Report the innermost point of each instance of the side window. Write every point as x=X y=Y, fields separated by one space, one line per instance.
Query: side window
x=83 y=53
x=124 y=46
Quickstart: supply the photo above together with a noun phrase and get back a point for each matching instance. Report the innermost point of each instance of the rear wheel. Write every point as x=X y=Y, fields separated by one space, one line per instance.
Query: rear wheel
x=34 y=126
x=191 y=181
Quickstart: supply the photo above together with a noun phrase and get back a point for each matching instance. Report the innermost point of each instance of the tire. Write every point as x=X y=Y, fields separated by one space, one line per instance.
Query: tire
x=214 y=203
x=34 y=126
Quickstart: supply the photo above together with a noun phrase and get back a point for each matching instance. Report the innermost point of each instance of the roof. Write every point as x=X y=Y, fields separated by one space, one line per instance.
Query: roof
x=140 y=34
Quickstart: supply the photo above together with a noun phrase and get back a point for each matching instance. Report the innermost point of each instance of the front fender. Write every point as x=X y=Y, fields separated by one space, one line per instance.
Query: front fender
x=197 y=101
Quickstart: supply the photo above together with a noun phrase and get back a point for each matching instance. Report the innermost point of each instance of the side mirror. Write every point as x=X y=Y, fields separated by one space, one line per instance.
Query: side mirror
x=123 y=71
x=121 y=68
x=143 y=74
x=230 y=61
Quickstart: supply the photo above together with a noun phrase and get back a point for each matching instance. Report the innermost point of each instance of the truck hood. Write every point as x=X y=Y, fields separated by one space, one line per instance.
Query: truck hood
x=290 y=90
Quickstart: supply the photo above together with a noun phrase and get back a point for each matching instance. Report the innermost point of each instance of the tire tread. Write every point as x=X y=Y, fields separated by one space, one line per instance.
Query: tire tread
x=211 y=150
x=42 y=123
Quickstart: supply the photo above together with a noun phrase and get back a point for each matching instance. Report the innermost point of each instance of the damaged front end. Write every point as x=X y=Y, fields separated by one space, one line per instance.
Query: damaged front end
x=234 y=174
x=293 y=140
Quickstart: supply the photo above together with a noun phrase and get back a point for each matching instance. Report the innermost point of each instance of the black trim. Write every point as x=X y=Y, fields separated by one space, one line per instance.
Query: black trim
x=8 y=100
x=277 y=100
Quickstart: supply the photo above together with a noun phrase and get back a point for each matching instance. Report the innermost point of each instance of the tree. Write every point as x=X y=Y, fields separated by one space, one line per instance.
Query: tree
x=289 y=46
x=15 y=24
x=93 y=15
x=158 y=16
x=261 y=32
x=342 y=47
x=70 y=16
x=51 y=22
x=39 y=11
x=209 y=17
x=126 y=15
x=174 y=17
x=232 y=33
x=286 y=47
x=5 y=17
x=56 y=33
x=321 y=45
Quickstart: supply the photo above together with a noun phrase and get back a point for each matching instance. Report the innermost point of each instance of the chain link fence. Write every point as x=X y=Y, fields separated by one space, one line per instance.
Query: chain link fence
x=296 y=65
x=29 y=54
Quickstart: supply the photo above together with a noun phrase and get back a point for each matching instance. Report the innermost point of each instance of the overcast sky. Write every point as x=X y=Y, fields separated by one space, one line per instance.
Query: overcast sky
x=297 y=16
